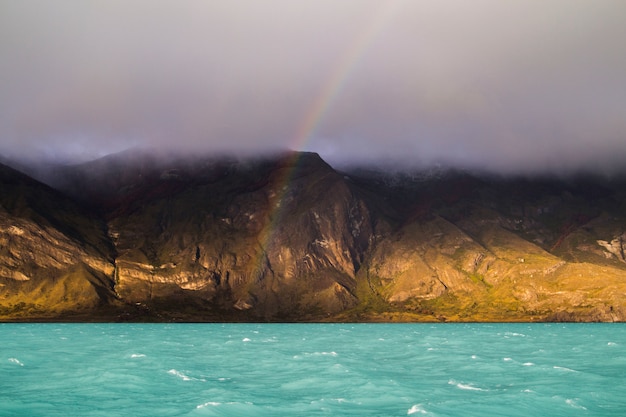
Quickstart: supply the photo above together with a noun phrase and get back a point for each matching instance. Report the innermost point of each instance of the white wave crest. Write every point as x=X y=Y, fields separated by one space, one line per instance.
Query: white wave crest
x=467 y=387
x=333 y=354
x=137 y=355
x=217 y=404
x=183 y=376
x=416 y=409
x=179 y=374
x=210 y=403
x=562 y=368
x=572 y=403
x=245 y=340
x=16 y=361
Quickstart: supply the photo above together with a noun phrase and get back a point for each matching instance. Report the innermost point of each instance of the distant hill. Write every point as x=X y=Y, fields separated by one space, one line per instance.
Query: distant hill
x=285 y=237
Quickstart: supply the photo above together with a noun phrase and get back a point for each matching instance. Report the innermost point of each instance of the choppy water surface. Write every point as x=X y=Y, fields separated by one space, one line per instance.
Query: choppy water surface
x=312 y=369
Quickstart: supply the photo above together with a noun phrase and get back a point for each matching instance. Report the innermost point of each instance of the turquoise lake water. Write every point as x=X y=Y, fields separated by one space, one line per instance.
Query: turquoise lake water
x=312 y=369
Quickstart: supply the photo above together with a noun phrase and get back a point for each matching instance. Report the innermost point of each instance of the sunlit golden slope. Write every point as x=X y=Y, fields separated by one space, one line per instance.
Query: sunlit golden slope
x=289 y=238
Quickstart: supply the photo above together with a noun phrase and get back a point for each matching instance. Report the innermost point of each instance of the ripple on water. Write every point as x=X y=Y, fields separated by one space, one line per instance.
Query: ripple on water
x=206 y=370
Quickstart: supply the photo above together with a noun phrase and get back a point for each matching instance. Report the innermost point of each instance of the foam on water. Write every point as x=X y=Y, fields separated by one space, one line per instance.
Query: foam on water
x=179 y=374
x=209 y=404
x=468 y=387
x=183 y=376
x=573 y=403
x=16 y=361
x=445 y=370
x=562 y=368
x=416 y=409
x=514 y=334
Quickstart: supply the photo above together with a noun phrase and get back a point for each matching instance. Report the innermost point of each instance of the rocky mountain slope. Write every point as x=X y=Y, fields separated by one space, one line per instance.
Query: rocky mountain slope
x=137 y=236
x=54 y=256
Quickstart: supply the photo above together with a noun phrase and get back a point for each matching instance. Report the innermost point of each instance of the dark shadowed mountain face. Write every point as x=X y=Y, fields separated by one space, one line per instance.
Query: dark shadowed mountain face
x=286 y=237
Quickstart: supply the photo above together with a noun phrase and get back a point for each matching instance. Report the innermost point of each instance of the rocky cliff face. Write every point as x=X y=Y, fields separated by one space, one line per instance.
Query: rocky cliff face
x=278 y=238
x=495 y=249
x=289 y=238
x=54 y=256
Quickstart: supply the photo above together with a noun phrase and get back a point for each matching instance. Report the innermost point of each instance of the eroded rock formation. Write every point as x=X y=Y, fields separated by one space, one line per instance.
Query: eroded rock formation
x=139 y=237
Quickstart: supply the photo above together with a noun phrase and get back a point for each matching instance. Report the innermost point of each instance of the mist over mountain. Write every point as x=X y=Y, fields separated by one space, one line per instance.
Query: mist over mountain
x=511 y=87
x=285 y=236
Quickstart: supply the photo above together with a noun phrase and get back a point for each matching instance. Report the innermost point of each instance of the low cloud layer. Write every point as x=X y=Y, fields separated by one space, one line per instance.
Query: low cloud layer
x=509 y=86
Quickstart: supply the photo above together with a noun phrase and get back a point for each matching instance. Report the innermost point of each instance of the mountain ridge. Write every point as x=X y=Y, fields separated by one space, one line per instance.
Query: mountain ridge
x=286 y=237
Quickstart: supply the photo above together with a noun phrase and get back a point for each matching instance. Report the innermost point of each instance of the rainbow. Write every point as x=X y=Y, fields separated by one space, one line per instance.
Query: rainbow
x=381 y=17
x=332 y=87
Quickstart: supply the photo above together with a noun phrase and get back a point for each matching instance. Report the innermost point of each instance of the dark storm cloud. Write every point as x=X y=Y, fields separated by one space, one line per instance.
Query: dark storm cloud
x=508 y=85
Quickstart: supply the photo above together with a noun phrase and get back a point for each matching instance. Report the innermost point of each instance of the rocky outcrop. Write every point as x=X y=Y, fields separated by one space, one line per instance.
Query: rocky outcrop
x=54 y=257
x=280 y=238
x=288 y=237
x=614 y=248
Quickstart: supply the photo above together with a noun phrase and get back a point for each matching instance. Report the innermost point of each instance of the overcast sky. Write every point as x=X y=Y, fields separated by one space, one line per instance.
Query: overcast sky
x=508 y=85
